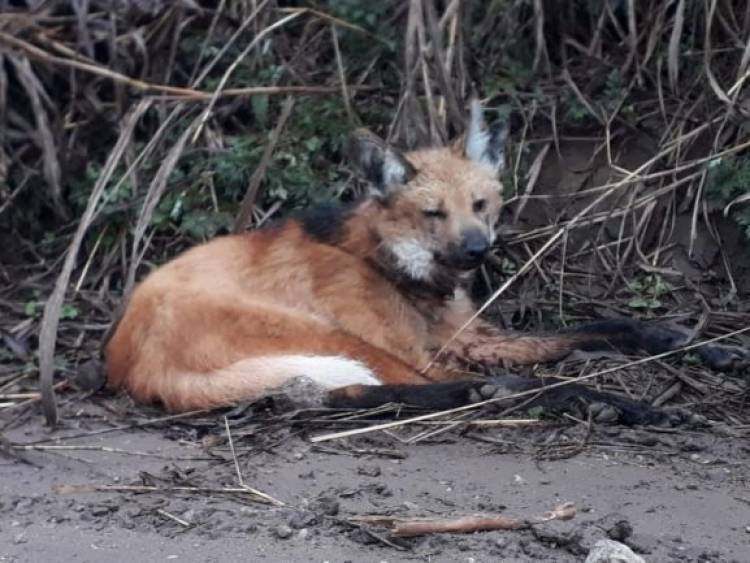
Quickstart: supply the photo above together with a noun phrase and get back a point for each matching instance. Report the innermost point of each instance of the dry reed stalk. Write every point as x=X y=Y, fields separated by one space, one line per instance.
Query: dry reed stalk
x=53 y=308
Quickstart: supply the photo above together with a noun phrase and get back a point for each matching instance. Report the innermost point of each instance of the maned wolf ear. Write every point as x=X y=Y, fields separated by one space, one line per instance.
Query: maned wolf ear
x=485 y=145
x=383 y=166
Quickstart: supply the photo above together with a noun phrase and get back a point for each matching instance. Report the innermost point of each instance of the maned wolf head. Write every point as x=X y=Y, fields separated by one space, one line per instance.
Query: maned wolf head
x=439 y=205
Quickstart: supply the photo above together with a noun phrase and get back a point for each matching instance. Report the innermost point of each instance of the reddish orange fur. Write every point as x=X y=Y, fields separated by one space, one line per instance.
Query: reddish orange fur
x=191 y=324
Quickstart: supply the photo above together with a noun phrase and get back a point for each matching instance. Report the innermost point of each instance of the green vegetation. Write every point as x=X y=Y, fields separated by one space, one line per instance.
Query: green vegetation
x=728 y=183
x=648 y=291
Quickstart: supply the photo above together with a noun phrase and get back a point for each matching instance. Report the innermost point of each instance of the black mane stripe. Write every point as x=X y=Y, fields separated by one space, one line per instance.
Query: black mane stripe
x=325 y=223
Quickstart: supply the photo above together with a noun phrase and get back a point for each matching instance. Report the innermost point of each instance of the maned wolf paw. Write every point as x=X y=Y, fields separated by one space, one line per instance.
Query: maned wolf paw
x=724 y=358
x=611 y=410
x=576 y=399
x=658 y=338
x=633 y=413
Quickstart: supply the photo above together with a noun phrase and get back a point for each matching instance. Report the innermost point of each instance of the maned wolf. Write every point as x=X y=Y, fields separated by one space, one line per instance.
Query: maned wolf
x=357 y=300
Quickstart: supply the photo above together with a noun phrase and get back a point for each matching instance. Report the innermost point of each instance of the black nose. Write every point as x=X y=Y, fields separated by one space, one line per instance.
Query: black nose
x=474 y=246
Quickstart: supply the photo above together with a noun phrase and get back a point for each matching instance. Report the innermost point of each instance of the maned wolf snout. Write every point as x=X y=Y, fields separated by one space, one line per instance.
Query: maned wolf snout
x=474 y=247
x=357 y=300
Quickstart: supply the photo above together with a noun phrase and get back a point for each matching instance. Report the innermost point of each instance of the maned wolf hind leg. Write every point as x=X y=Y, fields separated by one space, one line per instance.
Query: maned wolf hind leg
x=582 y=400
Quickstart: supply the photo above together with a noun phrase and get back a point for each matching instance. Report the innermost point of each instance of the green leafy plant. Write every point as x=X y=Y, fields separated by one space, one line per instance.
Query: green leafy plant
x=728 y=182
x=575 y=111
x=648 y=291
x=34 y=308
x=206 y=186
x=535 y=412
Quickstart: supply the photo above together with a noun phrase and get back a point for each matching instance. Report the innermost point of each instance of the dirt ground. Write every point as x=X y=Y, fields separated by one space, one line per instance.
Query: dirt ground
x=672 y=495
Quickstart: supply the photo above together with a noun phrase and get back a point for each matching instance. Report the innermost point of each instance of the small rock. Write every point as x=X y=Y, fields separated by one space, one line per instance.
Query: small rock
x=380 y=489
x=301 y=520
x=283 y=531
x=610 y=551
x=554 y=532
x=326 y=505
x=617 y=527
x=369 y=470
x=101 y=510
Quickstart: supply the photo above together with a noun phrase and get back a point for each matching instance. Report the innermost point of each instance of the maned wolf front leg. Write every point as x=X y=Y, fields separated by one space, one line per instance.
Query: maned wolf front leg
x=486 y=345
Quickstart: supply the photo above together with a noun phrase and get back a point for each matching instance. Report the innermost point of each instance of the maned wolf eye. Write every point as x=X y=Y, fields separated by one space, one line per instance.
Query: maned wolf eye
x=434 y=214
x=479 y=205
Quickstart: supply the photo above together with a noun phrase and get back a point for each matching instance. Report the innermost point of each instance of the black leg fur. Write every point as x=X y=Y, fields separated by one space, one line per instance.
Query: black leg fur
x=437 y=396
x=631 y=337
x=450 y=395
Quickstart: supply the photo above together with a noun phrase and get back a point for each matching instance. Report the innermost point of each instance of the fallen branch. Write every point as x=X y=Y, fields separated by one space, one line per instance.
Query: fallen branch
x=462 y=525
x=53 y=307
x=412 y=527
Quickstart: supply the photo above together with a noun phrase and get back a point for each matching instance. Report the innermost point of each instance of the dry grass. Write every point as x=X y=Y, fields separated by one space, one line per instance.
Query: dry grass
x=620 y=110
